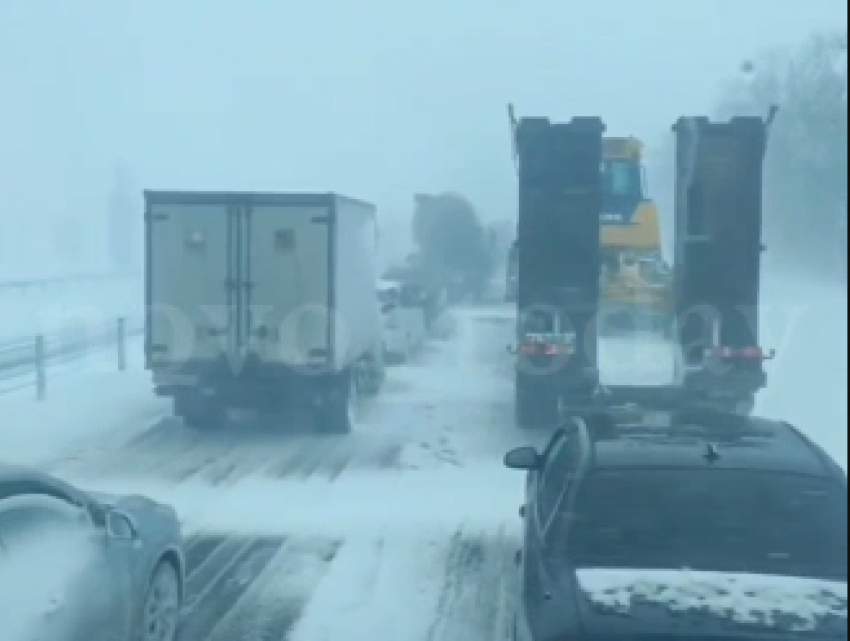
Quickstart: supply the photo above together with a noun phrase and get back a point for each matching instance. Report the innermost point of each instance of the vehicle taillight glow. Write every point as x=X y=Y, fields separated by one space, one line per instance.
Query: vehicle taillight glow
x=544 y=349
x=741 y=353
x=554 y=349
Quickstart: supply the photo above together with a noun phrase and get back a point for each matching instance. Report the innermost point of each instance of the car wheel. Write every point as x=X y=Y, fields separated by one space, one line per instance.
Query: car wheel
x=161 y=610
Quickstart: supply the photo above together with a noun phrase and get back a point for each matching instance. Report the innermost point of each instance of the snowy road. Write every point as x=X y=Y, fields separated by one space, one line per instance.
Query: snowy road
x=403 y=531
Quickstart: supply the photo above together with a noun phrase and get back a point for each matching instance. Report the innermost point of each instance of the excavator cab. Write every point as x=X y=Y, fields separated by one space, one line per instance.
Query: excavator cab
x=622 y=180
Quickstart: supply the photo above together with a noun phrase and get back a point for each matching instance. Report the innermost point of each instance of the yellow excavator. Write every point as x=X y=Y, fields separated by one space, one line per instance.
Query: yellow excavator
x=636 y=281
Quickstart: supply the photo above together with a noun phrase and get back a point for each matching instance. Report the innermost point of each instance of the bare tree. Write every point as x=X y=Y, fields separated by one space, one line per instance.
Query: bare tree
x=452 y=243
x=806 y=164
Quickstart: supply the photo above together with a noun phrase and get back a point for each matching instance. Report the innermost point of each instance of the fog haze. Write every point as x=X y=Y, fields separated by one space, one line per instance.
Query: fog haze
x=369 y=99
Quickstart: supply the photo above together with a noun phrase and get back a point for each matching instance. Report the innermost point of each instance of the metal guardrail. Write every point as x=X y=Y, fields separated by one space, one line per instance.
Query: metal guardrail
x=27 y=362
x=51 y=284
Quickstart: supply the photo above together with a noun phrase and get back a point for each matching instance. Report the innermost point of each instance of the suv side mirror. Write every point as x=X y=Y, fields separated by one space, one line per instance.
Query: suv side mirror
x=523 y=458
x=120 y=526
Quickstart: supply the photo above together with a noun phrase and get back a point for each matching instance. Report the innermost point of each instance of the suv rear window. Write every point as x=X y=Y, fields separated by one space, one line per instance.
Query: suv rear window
x=720 y=520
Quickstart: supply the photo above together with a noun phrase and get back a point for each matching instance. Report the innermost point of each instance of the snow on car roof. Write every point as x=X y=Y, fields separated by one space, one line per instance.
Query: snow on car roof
x=739 y=597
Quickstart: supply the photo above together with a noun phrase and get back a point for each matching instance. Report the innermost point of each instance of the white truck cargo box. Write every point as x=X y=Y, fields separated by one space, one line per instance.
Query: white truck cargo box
x=268 y=281
x=282 y=277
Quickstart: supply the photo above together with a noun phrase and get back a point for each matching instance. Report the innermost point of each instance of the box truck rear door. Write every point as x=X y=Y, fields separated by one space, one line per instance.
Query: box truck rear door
x=190 y=255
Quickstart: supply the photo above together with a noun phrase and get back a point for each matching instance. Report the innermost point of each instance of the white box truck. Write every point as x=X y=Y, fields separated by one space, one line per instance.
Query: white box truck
x=261 y=301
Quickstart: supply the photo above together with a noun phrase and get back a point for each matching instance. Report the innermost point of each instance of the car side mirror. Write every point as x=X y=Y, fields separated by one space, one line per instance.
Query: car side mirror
x=120 y=526
x=523 y=458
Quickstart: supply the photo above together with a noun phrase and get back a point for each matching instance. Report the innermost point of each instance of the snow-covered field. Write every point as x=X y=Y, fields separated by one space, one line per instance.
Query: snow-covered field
x=31 y=310
x=807 y=324
x=403 y=531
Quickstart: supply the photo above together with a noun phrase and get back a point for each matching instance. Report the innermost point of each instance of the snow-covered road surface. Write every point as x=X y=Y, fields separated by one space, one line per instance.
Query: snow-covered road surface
x=402 y=531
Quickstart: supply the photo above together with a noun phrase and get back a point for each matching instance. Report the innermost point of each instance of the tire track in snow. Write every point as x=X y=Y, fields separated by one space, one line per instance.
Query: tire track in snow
x=179 y=456
x=212 y=588
x=377 y=588
x=249 y=588
x=273 y=603
x=480 y=580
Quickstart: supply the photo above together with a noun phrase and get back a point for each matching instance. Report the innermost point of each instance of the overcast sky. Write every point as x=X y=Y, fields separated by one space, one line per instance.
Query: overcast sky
x=376 y=100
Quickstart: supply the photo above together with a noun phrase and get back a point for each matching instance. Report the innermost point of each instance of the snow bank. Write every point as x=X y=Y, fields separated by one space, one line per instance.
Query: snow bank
x=38 y=578
x=807 y=382
x=90 y=399
x=743 y=598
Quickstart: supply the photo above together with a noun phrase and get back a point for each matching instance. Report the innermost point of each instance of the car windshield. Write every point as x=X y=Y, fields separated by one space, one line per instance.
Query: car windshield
x=739 y=521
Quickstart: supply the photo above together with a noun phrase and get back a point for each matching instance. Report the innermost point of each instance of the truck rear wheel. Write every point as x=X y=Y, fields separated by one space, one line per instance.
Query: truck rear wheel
x=338 y=413
x=197 y=411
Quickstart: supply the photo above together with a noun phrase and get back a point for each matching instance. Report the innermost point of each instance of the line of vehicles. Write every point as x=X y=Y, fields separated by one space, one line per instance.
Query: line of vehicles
x=271 y=301
x=661 y=512
x=405 y=323
x=559 y=260
x=653 y=513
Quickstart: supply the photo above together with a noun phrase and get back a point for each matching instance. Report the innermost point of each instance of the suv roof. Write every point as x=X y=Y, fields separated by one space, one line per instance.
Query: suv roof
x=724 y=441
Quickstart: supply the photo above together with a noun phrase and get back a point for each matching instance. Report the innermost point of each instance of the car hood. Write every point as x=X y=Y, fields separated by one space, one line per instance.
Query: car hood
x=666 y=603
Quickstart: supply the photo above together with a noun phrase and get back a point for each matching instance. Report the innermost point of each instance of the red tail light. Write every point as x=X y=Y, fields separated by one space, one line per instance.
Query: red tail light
x=544 y=349
x=741 y=353
x=528 y=349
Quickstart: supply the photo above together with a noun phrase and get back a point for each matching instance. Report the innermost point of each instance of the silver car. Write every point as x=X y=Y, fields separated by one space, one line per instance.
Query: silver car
x=76 y=565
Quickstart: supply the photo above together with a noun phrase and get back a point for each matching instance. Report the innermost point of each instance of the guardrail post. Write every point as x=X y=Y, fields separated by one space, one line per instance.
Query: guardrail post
x=121 y=343
x=40 y=368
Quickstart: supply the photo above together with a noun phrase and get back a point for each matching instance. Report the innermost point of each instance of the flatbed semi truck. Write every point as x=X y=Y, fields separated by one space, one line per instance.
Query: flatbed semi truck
x=716 y=269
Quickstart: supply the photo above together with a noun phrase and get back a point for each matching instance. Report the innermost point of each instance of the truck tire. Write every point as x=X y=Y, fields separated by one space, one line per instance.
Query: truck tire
x=337 y=415
x=198 y=412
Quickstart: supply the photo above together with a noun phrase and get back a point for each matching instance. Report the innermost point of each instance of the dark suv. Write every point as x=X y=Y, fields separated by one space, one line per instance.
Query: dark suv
x=699 y=525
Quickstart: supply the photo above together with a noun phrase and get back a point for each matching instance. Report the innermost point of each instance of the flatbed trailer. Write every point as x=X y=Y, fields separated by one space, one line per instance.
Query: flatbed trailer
x=719 y=363
x=717 y=259
x=558 y=264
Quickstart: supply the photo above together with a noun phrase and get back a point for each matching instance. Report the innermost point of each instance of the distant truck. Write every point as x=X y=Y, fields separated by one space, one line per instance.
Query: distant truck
x=262 y=301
